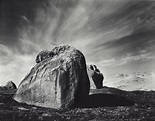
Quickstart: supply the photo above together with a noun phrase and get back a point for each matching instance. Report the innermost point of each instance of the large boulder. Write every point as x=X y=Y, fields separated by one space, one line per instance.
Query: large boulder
x=95 y=77
x=58 y=80
x=10 y=85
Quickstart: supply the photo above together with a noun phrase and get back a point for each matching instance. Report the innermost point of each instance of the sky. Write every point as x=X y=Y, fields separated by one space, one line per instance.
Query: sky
x=116 y=35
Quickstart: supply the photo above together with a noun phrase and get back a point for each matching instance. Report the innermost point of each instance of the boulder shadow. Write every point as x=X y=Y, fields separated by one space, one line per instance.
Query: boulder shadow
x=104 y=100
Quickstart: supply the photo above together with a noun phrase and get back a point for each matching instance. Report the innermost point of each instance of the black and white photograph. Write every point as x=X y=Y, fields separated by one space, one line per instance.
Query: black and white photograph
x=77 y=60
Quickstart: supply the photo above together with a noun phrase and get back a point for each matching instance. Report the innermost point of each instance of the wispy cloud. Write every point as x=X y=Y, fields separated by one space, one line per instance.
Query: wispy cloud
x=104 y=30
x=129 y=58
x=141 y=57
x=14 y=66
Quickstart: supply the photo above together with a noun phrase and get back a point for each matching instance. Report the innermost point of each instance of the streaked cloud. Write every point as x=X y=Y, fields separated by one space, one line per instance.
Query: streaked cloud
x=127 y=59
x=14 y=67
x=111 y=33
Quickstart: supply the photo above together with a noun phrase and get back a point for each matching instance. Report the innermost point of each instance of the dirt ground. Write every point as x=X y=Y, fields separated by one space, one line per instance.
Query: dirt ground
x=143 y=109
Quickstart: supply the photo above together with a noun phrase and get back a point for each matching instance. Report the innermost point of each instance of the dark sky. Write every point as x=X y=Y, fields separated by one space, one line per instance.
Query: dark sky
x=116 y=35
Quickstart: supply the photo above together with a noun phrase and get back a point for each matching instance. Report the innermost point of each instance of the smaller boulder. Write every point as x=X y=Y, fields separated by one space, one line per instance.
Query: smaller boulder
x=10 y=85
x=95 y=77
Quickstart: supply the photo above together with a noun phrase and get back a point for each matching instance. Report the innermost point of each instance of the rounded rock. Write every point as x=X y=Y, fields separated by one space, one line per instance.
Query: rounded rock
x=60 y=81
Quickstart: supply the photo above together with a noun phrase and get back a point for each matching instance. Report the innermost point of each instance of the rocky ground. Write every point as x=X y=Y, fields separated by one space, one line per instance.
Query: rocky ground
x=128 y=106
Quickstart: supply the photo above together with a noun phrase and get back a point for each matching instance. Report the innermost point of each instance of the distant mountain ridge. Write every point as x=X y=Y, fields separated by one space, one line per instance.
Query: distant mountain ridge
x=134 y=81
